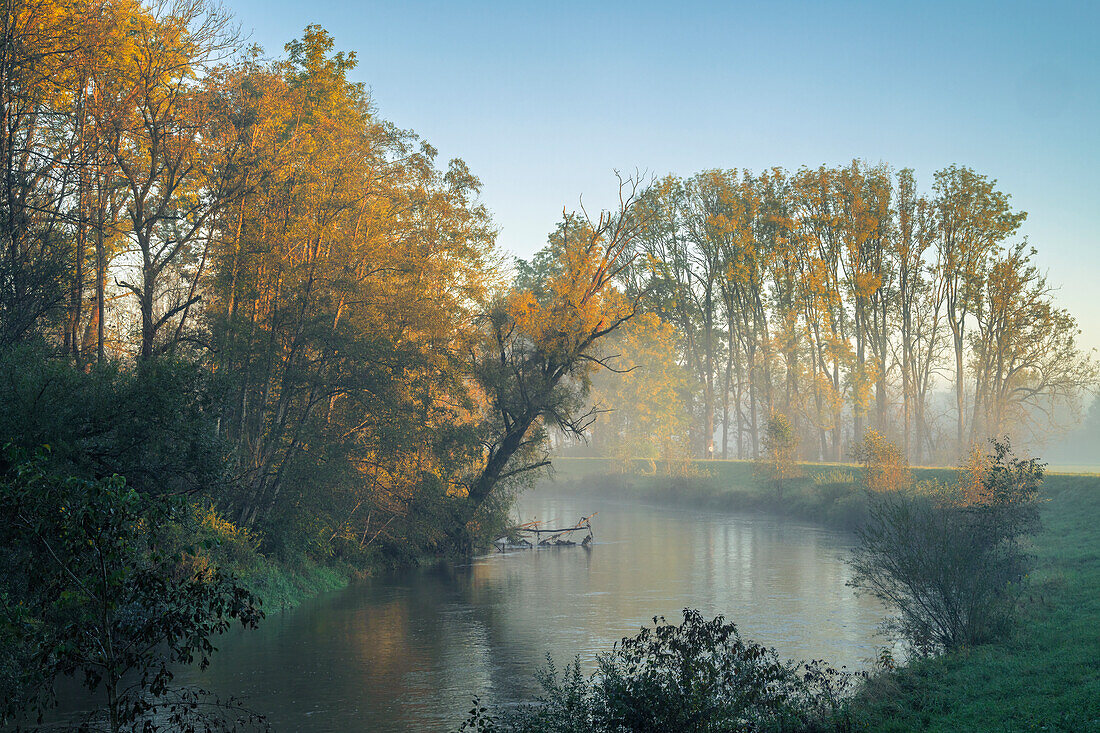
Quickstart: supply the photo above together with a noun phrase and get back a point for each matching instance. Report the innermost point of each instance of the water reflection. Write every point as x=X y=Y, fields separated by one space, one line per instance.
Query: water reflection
x=408 y=651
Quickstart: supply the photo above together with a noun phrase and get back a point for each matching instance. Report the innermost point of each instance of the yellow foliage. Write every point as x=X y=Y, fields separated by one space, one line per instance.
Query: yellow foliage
x=885 y=467
x=648 y=417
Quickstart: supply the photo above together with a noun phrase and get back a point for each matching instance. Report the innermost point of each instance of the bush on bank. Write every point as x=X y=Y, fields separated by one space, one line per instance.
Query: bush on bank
x=950 y=560
x=699 y=675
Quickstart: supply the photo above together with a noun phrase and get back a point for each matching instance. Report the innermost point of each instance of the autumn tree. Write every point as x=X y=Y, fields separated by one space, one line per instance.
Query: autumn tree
x=885 y=467
x=540 y=346
x=919 y=312
x=973 y=218
x=827 y=321
x=342 y=299
x=779 y=460
x=45 y=48
x=837 y=295
x=160 y=120
x=682 y=281
x=1025 y=357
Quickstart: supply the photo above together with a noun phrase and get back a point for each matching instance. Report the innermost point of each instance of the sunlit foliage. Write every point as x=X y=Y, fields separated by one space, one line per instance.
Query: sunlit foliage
x=848 y=300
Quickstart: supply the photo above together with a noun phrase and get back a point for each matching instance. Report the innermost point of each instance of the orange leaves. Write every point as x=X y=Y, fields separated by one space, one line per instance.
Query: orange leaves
x=648 y=414
x=575 y=298
x=885 y=467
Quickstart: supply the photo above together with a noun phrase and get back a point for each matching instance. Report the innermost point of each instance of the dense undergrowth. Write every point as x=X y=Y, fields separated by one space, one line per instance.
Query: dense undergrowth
x=1045 y=675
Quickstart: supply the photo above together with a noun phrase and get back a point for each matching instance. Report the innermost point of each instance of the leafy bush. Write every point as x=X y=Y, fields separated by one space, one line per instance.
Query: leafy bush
x=696 y=676
x=778 y=460
x=950 y=559
x=885 y=467
x=92 y=586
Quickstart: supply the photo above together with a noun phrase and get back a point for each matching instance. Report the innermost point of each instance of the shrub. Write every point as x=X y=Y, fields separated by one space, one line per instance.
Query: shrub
x=699 y=675
x=950 y=560
x=885 y=467
x=778 y=460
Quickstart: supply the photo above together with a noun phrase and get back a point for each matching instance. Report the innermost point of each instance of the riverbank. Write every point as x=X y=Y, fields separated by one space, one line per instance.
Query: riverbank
x=826 y=493
x=1046 y=676
x=280 y=586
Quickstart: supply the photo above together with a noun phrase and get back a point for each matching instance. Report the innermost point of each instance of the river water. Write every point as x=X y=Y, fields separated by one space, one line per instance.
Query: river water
x=408 y=651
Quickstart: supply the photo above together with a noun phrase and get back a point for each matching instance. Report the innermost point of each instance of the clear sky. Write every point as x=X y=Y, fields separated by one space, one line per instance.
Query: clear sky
x=544 y=100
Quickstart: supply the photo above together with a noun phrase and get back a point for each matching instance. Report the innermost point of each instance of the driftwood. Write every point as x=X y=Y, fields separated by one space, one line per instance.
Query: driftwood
x=547 y=536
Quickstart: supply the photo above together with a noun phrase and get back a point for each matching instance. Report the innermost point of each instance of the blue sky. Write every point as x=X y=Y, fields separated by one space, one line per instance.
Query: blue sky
x=544 y=100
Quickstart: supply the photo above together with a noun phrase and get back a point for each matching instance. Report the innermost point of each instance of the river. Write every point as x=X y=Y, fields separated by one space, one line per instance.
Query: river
x=407 y=651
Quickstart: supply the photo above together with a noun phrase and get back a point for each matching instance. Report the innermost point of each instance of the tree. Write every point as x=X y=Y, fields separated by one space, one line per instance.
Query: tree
x=47 y=46
x=92 y=587
x=885 y=467
x=972 y=219
x=643 y=395
x=827 y=322
x=160 y=119
x=682 y=273
x=862 y=197
x=920 y=307
x=779 y=456
x=1025 y=357
x=341 y=305
x=540 y=347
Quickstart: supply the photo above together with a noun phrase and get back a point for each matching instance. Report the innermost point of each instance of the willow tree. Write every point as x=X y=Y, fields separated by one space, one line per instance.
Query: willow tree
x=540 y=345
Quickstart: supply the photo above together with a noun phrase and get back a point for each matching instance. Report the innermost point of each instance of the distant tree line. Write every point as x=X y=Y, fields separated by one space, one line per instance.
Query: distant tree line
x=846 y=299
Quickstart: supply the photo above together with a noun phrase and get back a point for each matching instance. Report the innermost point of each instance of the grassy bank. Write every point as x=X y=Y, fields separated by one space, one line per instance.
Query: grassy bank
x=824 y=492
x=279 y=582
x=282 y=586
x=1046 y=676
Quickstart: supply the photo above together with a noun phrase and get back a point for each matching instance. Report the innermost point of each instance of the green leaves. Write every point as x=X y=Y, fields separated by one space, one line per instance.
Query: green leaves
x=98 y=594
x=699 y=675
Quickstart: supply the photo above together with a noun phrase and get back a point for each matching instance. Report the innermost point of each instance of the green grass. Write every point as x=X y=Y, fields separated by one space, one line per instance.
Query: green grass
x=731 y=485
x=282 y=586
x=1045 y=677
